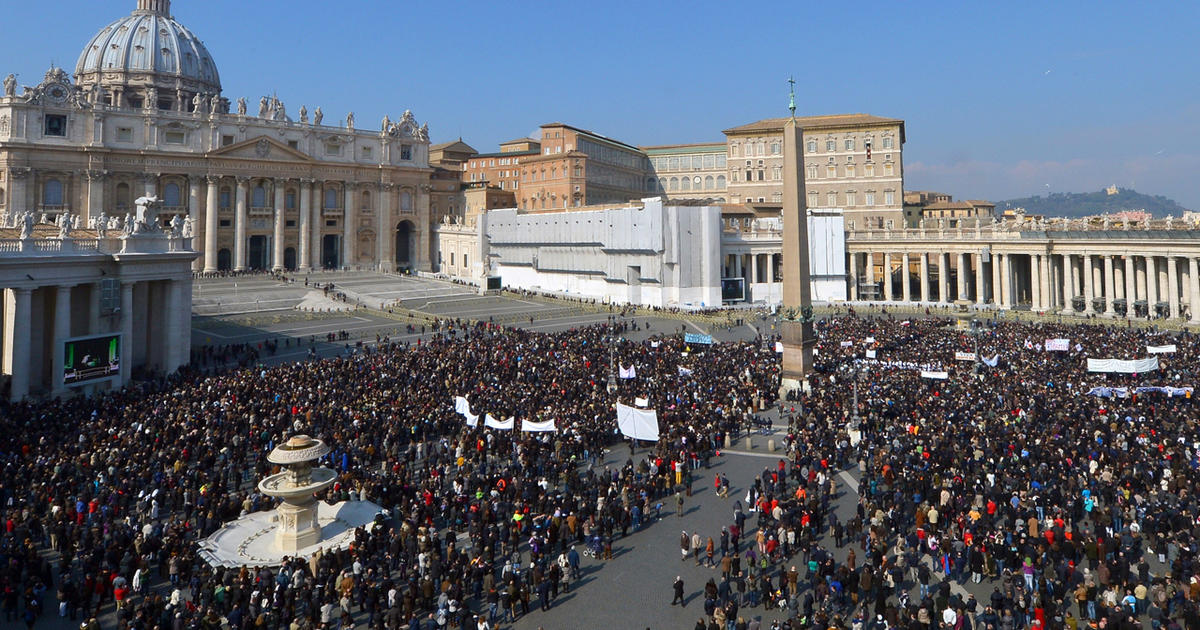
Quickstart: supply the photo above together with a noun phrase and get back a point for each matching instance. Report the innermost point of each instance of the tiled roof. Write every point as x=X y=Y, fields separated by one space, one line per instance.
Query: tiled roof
x=811 y=122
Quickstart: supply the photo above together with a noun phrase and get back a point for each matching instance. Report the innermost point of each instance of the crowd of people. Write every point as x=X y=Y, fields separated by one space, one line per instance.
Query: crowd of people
x=1072 y=508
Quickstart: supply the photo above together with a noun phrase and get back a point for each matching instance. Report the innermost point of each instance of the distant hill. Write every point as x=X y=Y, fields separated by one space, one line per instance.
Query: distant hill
x=1074 y=205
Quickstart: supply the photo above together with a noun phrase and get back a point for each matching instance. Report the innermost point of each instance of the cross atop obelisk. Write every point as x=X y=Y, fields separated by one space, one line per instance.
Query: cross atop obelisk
x=798 y=338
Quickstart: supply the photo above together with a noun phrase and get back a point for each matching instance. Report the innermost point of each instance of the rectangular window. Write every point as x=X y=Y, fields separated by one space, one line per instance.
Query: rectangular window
x=290 y=223
x=331 y=223
x=406 y=152
x=887 y=142
x=889 y=198
x=870 y=170
x=850 y=170
x=225 y=222
x=366 y=152
x=831 y=171
x=849 y=144
x=125 y=134
x=831 y=145
x=294 y=144
x=831 y=199
x=174 y=137
x=465 y=259
x=56 y=125
x=850 y=199
x=332 y=148
x=870 y=198
x=451 y=259
x=888 y=169
x=226 y=140
x=812 y=172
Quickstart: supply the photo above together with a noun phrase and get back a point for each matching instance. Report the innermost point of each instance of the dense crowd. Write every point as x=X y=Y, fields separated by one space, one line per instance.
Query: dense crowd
x=1073 y=508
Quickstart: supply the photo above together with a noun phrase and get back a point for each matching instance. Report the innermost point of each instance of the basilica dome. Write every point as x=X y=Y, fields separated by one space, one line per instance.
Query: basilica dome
x=148 y=54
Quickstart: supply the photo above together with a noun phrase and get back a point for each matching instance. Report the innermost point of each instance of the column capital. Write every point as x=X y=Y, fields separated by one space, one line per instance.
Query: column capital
x=212 y=180
x=386 y=186
x=93 y=175
x=195 y=180
x=150 y=178
x=308 y=180
x=243 y=181
x=21 y=172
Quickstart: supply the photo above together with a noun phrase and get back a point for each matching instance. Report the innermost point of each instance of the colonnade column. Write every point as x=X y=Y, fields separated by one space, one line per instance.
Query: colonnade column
x=302 y=256
x=421 y=231
x=17 y=330
x=869 y=272
x=194 y=215
x=177 y=346
x=62 y=330
x=1173 y=286
x=95 y=193
x=1151 y=287
x=210 y=225
x=348 y=221
x=384 y=219
x=905 y=282
x=963 y=269
x=1194 y=293
x=277 y=236
x=1089 y=292
x=853 y=276
x=126 y=332
x=19 y=203
x=1130 y=285
x=924 y=276
x=980 y=283
x=239 y=226
x=997 y=281
x=1044 y=281
x=887 y=277
x=1110 y=287
x=1068 y=286
x=1035 y=282
x=944 y=277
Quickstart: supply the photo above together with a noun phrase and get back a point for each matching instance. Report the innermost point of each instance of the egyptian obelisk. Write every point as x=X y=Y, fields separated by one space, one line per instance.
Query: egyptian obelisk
x=796 y=320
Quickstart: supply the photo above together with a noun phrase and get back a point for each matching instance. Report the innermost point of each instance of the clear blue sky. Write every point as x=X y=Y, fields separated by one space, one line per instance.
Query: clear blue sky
x=1001 y=99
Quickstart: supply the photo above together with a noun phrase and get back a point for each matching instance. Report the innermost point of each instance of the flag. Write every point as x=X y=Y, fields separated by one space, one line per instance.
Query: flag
x=627 y=372
x=684 y=371
x=992 y=361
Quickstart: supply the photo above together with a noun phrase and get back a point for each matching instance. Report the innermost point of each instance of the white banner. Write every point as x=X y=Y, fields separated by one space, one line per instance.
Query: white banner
x=846 y=344
x=545 y=425
x=1058 y=345
x=640 y=424
x=779 y=346
x=488 y=420
x=870 y=354
x=1124 y=367
x=684 y=371
x=642 y=402
x=463 y=407
x=964 y=356
x=992 y=361
x=627 y=372
x=1167 y=349
x=869 y=340
x=941 y=376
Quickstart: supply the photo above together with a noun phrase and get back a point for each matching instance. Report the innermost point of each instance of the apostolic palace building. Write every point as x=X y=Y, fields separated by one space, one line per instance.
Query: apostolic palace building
x=263 y=188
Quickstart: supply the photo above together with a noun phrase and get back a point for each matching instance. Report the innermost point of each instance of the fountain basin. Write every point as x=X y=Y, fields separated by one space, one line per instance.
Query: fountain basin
x=282 y=484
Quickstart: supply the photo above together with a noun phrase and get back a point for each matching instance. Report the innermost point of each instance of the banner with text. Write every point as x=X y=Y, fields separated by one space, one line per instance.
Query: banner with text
x=1124 y=367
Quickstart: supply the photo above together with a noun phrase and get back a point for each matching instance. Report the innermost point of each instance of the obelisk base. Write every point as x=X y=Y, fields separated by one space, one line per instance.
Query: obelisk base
x=798 y=342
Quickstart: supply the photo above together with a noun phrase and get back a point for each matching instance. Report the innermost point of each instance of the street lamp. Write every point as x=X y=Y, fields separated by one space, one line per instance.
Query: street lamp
x=612 y=363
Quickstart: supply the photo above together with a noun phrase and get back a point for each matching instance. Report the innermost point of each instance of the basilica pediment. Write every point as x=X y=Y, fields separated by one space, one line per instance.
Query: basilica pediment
x=262 y=148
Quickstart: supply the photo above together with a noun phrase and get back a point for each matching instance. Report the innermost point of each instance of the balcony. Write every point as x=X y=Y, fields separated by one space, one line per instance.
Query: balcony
x=261 y=211
x=331 y=212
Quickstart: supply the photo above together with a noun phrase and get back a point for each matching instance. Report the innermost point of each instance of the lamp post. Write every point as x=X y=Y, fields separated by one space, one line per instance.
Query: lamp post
x=612 y=363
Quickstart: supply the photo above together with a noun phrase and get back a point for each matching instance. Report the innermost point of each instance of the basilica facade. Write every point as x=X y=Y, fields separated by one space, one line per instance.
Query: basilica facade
x=260 y=187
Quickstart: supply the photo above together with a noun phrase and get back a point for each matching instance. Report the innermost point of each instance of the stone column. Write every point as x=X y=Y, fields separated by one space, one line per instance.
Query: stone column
x=94 y=290
x=997 y=281
x=239 y=226
x=303 y=256
x=194 y=215
x=150 y=183
x=1194 y=293
x=924 y=277
x=1151 y=287
x=1068 y=286
x=318 y=220
x=905 y=283
x=1044 y=278
x=887 y=277
x=62 y=330
x=869 y=273
x=944 y=277
x=95 y=194
x=384 y=219
x=1089 y=292
x=17 y=334
x=126 y=332
x=1006 y=288
x=1110 y=287
x=1173 y=286
x=210 y=224
x=176 y=345
x=349 y=218
x=277 y=236
x=1035 y=282
x=19 y=202
x=980 y=283
x=963 y=270
x=1130 y=284
x=853 y=276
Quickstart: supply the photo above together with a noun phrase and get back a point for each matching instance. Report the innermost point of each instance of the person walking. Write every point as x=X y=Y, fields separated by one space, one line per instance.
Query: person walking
x=678 y=591
x=685 y=545
x=679 y=503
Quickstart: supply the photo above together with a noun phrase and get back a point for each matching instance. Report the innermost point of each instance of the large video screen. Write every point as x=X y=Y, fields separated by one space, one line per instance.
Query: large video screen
x=87 y=359
x=733 y=289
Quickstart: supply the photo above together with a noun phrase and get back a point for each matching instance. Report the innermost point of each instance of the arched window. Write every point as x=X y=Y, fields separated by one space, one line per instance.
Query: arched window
x=708 y=182
x=405 y=201
x=685 y=183
x=674 y=183
x=331 y=198
x=366 y=200
x=260 y=197
x=662 y=184
x=720 y=182
x=171 y=195
x=52 y=193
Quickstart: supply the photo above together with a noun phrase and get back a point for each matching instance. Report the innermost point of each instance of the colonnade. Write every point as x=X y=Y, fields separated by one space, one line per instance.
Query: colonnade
x=754 y=268
x=37 y=321
x=1125 y=283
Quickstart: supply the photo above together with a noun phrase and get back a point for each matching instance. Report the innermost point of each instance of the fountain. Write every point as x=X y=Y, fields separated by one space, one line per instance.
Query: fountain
x=301 y=525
